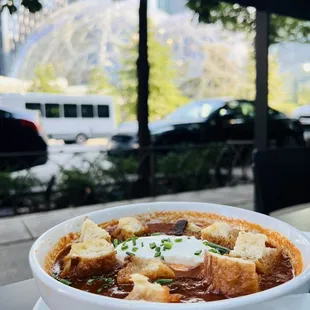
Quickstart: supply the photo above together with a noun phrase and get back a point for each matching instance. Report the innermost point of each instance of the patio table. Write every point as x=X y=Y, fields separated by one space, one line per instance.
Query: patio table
x=24 y=295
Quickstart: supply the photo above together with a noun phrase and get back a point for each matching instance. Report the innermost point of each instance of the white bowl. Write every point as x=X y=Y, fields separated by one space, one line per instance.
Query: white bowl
x=62 y=297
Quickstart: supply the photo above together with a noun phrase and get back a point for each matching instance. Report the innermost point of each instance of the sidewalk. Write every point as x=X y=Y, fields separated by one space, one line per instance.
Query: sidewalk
x=17 y=234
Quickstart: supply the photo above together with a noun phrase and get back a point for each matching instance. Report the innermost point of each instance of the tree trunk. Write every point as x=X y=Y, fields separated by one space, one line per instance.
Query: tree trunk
x=142 y=104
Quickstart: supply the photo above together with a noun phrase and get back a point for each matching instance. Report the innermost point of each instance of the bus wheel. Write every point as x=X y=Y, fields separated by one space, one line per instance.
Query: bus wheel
x=81 y=139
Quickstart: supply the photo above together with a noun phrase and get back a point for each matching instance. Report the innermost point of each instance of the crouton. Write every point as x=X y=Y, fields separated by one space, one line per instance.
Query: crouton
x=221 y=234
x=144 y=290
x=252 y=247
x=91 y=230
x=230 y=276
x=193 y=229
x=128 y=227
x=153 y=268
x=89 y=258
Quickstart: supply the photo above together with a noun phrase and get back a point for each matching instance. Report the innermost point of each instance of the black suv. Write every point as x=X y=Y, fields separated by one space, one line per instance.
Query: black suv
x=23 y=143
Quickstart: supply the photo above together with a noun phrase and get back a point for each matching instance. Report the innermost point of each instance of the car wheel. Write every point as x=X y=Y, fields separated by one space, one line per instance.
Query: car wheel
x=81 y=138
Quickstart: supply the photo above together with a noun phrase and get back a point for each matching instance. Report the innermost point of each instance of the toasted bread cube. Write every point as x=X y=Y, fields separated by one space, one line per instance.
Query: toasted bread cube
x=193 y=229
x=267 y=262
x=252 y=246
x=128 y=227
x=89 y=258
x=153 y=268
x=91 y=230
x=221 y=234
x=230 y=276
x=146 y=291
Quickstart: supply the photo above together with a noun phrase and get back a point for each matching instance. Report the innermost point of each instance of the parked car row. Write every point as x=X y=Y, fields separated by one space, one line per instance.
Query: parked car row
x=211 y=120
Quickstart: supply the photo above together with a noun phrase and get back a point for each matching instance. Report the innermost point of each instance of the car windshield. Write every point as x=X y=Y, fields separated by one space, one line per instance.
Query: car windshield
x=195 y=111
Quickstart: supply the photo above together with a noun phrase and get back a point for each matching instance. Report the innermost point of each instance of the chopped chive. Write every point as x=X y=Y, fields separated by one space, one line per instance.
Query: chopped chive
x=214 y=251
x=164 y=281
x=168 y=245
x=157 y=254
x=163 y=240
x=188 y=237
x=65 y=281
x=109 y=280
x=90 y=281
x=115 y=242
x=198 y=252
x=178 y=240
x=158 y=249
x=100 y=290
x=162 y=258
x=106 y=286
x=134 y=242
x=130 y=253
x=156 y=234
x=220 y=248
x=135 y=249
x=153 y=245
x=124 y=247
x=142 y=244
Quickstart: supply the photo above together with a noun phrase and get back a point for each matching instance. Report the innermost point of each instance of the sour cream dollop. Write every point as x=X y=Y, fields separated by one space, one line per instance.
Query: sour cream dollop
x=178 y=250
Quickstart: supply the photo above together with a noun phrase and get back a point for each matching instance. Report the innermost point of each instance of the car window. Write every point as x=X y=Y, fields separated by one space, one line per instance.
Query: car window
x=103 y=111
x=192 y=112
x=52 y=110
x=248 y=110
x=87 y=110
x=34 y=106
x=70 y=110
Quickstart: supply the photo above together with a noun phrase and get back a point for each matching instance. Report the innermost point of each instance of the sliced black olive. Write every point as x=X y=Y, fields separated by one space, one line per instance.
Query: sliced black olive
x=180 y=227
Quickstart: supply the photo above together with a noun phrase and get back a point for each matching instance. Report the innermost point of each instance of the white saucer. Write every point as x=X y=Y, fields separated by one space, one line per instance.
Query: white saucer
x=40 y=305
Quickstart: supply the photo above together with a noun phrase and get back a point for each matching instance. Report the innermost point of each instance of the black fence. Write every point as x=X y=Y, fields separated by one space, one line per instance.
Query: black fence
x=91 y=176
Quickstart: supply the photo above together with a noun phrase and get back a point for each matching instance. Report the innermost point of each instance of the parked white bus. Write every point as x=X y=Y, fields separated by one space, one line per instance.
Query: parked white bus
x=71 y=118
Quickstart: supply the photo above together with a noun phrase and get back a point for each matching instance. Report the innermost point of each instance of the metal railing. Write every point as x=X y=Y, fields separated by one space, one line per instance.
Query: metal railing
x=90 y=176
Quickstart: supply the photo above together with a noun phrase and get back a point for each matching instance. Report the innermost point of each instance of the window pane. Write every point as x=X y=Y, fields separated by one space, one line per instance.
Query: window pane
x=70 y=110
x=52 y=110
x=34 y=106
x=103 y=111
x=87 y=110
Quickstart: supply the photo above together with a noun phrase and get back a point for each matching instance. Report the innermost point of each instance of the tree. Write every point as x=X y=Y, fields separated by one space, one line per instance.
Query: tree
x=98 y=83
x=238 y=18
x=45 y=80
x=220 y=76
x=164 y=95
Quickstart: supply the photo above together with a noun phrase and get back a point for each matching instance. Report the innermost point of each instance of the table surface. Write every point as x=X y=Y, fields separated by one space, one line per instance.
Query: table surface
x=23 y=295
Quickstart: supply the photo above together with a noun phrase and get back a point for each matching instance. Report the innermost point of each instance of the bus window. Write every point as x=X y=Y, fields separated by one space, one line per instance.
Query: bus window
x=87 y=110
x=70 y=110
x=52 y=110
x=103 y=111
x=34 y=106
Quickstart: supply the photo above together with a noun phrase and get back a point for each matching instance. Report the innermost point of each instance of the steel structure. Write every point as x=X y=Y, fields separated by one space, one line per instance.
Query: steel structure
x=18 y=27
x=94 y=33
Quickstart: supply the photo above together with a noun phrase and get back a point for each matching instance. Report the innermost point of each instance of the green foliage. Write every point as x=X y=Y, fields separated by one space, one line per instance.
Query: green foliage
x=220 y=77
x=277 y=94
x=76 y=188
x=98 y=83
x=304 y=94
x=238 y=18
x=32 y=5
x=164 y=96
x=45 y=80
